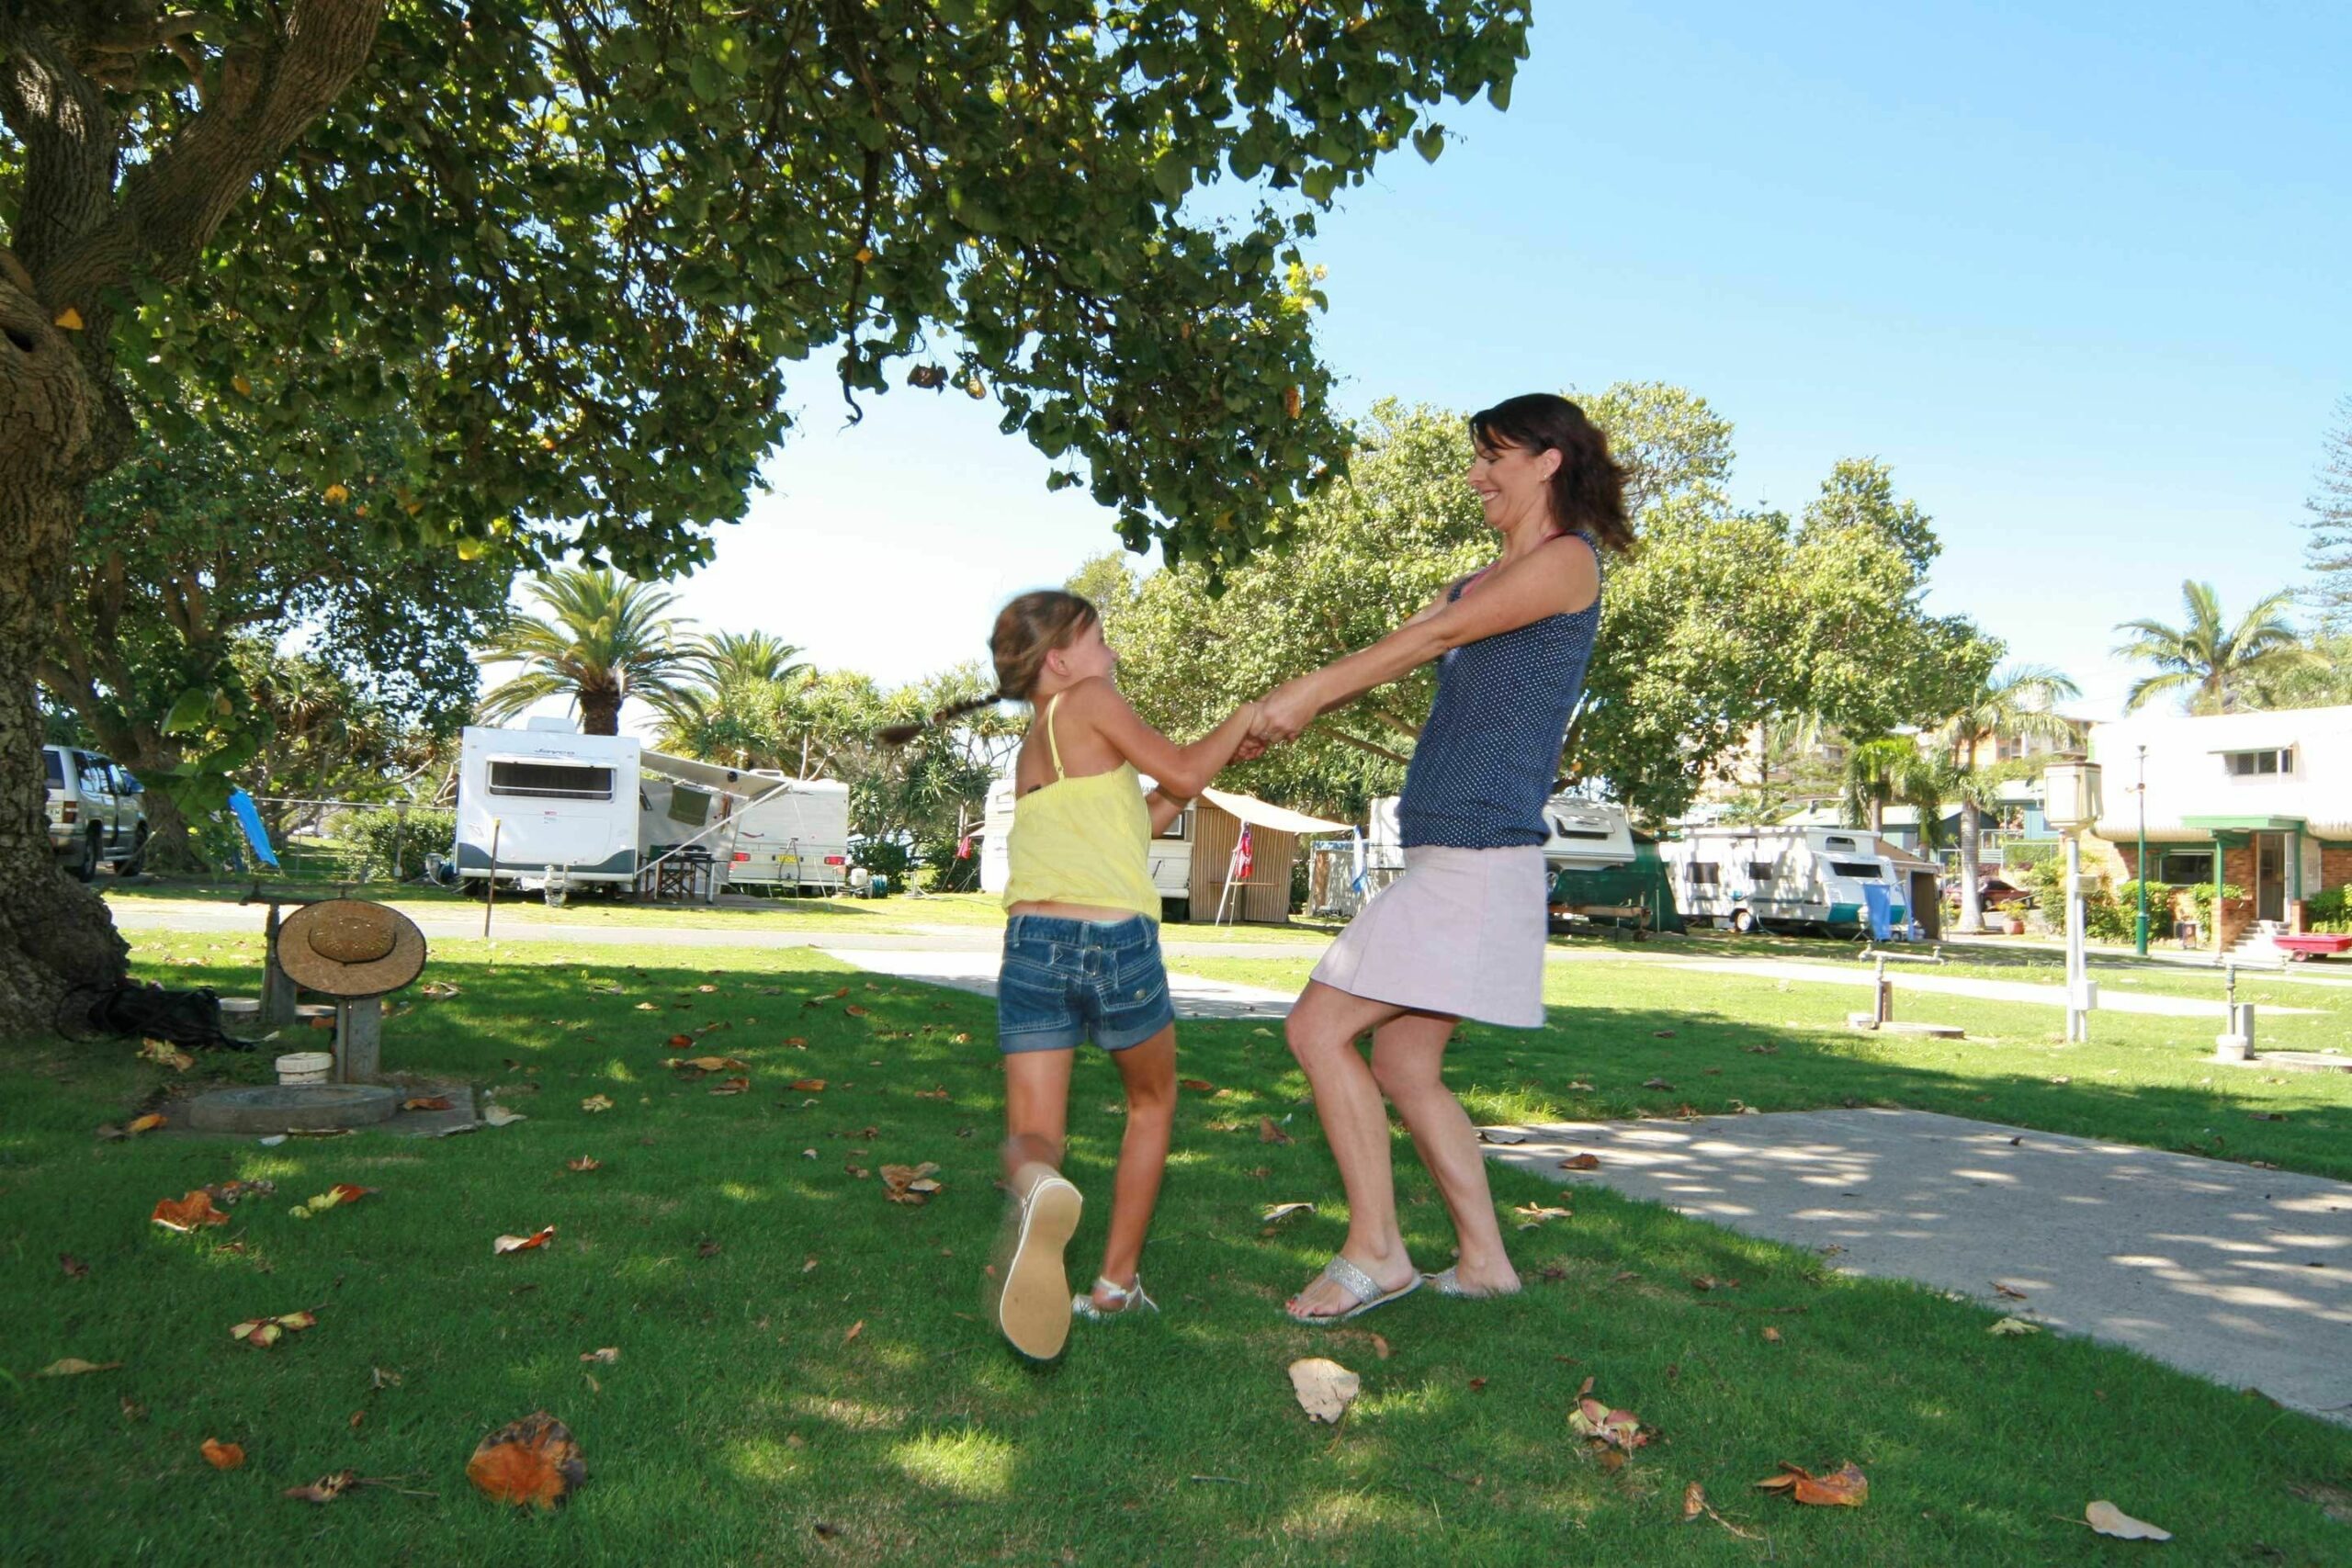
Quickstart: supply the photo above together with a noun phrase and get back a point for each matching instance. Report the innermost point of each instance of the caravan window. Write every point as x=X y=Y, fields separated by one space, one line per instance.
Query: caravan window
x=1763 y=870
x=1860 y=870
x=552 y=780
x=1834 y=842
x=1180 y=829
x=689 y=805
x=1703 y=874
x=1562 y=830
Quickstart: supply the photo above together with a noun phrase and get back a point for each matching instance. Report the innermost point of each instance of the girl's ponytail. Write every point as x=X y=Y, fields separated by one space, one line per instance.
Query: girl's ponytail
x=900 y=734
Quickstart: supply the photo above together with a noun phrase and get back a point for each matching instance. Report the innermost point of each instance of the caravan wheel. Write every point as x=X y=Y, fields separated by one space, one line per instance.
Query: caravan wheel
x=1743 y=921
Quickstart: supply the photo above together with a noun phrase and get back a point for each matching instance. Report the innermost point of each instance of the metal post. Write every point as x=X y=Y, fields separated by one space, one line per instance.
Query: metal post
x=2077 y=967
x=490 y=886
x=2139 y=926
x=400 y=835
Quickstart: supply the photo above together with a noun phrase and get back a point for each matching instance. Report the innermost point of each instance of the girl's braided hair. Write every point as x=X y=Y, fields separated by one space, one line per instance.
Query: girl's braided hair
x=1027 y=629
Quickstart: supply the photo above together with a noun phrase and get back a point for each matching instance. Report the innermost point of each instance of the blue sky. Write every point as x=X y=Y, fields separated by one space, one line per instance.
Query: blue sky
x=2081 y=280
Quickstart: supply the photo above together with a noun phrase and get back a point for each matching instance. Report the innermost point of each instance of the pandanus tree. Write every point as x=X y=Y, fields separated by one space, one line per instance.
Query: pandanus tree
x=582 y=246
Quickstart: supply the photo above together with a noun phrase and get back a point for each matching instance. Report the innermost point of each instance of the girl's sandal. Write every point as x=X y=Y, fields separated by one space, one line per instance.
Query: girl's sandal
x=1130 y=1299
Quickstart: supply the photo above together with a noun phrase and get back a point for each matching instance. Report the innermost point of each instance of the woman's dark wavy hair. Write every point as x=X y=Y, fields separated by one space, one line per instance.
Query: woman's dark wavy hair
x=1589 y=491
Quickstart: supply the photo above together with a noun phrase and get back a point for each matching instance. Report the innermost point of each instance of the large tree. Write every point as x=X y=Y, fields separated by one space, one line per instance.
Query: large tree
x=602 y=640
x=2211 y=665
x=580 y=240
x=191 y=555
x=1721 y=620
x=2016 y=700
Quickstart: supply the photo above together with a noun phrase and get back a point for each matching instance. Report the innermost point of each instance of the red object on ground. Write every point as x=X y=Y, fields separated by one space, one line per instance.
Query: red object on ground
x=2315 y=944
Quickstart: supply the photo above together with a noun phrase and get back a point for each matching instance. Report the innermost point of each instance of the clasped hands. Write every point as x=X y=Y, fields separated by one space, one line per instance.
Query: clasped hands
x=1282 y=716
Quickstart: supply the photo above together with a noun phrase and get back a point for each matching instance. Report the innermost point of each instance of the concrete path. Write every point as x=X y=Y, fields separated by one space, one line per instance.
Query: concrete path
x=2239 y=1275
x=2111 y=997
x=1193 y=995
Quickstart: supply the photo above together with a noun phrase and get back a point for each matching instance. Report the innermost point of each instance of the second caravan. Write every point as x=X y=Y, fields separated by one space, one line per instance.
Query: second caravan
x=1785 y=878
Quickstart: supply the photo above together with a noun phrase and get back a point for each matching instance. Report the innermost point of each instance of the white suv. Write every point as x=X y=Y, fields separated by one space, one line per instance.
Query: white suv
x=96 y=812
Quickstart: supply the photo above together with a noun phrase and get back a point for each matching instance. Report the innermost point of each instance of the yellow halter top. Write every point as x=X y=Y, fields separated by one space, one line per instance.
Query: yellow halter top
x=1082 y=841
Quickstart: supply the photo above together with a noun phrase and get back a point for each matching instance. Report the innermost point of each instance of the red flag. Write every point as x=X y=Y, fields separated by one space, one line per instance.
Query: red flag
x=1243 y=863
x=964 y=847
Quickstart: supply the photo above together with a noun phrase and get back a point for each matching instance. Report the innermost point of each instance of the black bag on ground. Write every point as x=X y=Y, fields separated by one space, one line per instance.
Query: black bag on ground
x=178 y=1018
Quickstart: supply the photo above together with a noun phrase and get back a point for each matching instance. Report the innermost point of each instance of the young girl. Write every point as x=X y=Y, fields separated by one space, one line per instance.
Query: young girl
x=1082 y=952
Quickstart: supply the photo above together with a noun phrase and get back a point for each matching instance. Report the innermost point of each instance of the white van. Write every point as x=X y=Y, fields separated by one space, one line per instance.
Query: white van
x=1784 y=878
x=550 y=800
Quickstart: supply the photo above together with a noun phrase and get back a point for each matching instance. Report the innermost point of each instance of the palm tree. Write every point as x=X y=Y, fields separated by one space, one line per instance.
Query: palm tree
x=2015 y=699
x=729 y=656
x=604 y=639
x=1892 y=771
x=2217 y=671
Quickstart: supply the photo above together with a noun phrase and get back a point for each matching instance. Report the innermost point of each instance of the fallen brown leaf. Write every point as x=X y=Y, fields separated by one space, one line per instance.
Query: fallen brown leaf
x=1771 y=1336
x=909 y=1183
x=438 y=990
x=326 y=1488
x=2010 y=1327
x=146 y=1123
x=854 y=1010
x=73 y=1367
x=1603 y=1427
x=854 y=1330
x=1656 y=1083
x=808 y=1086
x=603 y=1358
x=595 y=1102
x=1534 y=1215
x=263 y=1332
x=187 y=1213
x=1269 y=1134
x=75 y=1267
x=709 y=1064
x=585 y=1162
x=506 y=1244
x=1581 y=1162
x=426 y=1102
x=1199 y=1086
x=531 y=1464
x=1845 y=1487
x=731 y=1086
x=708 y=1249
x=2108 y=1519
x=2009 y=1291
x=220 y=1455
x=1325 y=1388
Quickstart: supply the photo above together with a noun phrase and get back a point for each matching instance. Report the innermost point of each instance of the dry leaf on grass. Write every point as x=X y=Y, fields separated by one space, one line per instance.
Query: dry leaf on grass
x=1599 y=1425
x=603 y=1358
x=438 y=990
x=909 y=1183
x=326 y=1488
x=1502 y=1136
x=595 y=1102
x=426 y=1102
x=1199 y=1086
x=1581 y=1162
x=2010 y=1327
x=335 y=1197
x=585 y=1162
x=2108 y=1520
x=537 y=1239
x=1844 y=1487
x=164 y=1053
x=731 y=1086
x=1275 y=1213
x=74 y=1366
x=1269 y=1134
x=188 y=1213
x=499 y=1116
x=531 y=1464
x=1695 y=1505
x=263 y=1332
x=1325 y=1388
x=648 y=1007
x=146 y=1123
x=220 y=1455
x=1771 y=1336
x=708 y=1064
x=808 y=1086
x=854 y=1330
x=1534 y=1215
x=1657 y=1083
x=2011 y=1292
x=75 y=1267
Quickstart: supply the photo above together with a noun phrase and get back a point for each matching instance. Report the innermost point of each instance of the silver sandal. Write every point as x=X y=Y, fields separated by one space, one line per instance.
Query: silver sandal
x=1131 y=1299
x=1360 y=1286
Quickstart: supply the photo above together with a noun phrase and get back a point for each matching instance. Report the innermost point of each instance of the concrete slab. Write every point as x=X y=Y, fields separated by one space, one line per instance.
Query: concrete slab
x=2239 y=1275
x=1193 y=995
x=264 y=1109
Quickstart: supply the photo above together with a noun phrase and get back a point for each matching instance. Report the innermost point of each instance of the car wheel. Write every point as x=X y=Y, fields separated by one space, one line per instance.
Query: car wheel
x=138 y=860
x=1743 y=921
x=87 y=868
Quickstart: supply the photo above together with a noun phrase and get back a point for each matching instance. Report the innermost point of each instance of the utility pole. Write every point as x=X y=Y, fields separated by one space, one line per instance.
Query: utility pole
x=2140 y=925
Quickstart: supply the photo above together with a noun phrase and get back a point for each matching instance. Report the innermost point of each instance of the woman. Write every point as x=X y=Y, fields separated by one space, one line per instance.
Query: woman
x=1460 y=934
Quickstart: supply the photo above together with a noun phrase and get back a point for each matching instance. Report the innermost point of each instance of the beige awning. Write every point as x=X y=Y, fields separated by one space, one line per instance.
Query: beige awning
x=720 y=779
x=1274 y=818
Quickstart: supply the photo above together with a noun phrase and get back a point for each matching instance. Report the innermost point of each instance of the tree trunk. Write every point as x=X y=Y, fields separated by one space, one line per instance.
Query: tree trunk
x=55 y=935
x=600 y=712
x=1878 y=817
x=1972 y=904
x=171 y=846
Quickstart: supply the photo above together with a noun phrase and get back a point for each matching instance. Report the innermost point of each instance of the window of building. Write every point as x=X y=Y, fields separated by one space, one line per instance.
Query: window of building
x=1860 y=870
x=2267 y=762
x=1835 y=843
x=1704 y=874
x=1180 y=829
x=1763 y=870
x=551 y=780
x=2181 y=867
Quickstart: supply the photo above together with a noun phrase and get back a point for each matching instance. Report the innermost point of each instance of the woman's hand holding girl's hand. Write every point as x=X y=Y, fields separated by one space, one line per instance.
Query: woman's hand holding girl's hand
x=1284 y=712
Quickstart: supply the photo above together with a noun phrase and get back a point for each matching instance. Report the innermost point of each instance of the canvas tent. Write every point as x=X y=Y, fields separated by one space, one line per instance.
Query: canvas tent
x=1263 y=897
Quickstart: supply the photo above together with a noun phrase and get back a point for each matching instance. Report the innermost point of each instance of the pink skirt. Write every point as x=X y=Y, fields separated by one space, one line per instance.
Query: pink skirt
x=1461 y=932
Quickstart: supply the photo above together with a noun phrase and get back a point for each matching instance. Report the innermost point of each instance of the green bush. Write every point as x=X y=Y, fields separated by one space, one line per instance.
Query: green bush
x=365 y=842
x=2331 y=910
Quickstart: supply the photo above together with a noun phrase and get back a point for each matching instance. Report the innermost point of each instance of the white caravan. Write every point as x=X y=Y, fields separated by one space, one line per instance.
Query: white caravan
x=1582 y=835
x=1171 y=852
x=768 y=832
x=1783 y=877
x=550 y=802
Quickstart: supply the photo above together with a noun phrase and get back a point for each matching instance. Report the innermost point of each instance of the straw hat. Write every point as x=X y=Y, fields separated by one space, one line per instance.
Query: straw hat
x=347 y=947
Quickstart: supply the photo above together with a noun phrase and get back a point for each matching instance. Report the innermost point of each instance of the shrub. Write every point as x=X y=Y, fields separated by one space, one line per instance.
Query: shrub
x=2331 y=910
x=366 y=840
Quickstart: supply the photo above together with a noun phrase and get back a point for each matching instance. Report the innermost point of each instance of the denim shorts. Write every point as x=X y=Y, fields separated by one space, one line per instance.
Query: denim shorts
x=1067 y=981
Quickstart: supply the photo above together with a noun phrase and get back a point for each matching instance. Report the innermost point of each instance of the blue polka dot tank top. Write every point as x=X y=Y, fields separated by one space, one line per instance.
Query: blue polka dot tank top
x=1484 y=766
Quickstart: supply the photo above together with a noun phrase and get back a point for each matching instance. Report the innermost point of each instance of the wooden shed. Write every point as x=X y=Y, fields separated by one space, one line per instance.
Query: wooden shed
x=1263 y=897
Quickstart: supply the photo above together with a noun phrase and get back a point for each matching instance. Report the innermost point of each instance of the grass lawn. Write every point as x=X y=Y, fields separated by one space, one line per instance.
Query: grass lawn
x=1725 y=1040
x=803 y=1375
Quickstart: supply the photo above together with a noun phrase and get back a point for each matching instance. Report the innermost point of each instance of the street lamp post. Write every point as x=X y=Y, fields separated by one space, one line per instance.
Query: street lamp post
x=2071 y=802
x=2140 y=924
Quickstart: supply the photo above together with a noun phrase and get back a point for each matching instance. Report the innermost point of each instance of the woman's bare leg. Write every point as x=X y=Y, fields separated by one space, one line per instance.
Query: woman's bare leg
x=1323 y=1030
x=1148 y=1071
x=1408 y=1057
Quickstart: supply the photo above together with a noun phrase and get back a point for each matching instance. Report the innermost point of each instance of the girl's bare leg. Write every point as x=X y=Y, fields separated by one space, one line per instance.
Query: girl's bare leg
x=1323 y=1030
x=1408 y=1057
x=1037 y=1110
x=1149 y=1070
